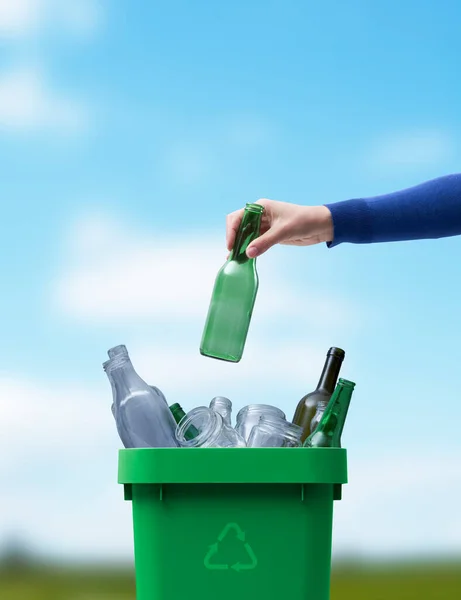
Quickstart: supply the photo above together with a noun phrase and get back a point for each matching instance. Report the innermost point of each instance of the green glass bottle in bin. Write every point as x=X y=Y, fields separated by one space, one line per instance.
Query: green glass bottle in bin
x=319 y=398
x=178 y=414
x=234 y=295
x=329 y=430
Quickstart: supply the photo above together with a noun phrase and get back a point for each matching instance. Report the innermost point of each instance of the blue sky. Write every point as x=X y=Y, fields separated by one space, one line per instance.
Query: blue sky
x=127 y=132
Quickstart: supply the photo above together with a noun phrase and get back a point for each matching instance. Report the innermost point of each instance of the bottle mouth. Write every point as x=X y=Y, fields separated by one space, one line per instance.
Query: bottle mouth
x=115 y=363
x=117 y=351
x=221 y=401
x=346 y=383
x=334 y=351
x=255 y=208
x=255 y=408
x=202 y=419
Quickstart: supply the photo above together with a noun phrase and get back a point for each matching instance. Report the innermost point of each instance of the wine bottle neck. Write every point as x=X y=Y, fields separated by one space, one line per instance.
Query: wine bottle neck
x=329 y=376
x=247 y=232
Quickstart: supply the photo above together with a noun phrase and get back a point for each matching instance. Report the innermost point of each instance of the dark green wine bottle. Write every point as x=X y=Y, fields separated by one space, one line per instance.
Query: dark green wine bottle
x=178 y=414
x=234 y=295
x=307 y=406
x=329 y=430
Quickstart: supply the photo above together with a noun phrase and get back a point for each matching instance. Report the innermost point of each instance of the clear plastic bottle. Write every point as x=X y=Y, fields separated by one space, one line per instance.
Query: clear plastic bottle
x=223 y=406
x=212 y=431
x=249 y=416
x=141 y=412
x=275 y=433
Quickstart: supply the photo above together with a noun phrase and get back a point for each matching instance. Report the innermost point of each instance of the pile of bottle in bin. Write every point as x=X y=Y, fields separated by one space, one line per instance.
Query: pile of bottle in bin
x=145 y=420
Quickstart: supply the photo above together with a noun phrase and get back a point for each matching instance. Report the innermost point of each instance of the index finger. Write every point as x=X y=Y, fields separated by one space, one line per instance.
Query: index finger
x=232 y=224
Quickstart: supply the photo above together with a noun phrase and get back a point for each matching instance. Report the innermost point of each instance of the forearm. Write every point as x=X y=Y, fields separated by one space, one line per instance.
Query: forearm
x=428 y=210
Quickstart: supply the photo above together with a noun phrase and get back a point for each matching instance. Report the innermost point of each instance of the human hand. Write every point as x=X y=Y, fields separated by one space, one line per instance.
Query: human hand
x=284 y=223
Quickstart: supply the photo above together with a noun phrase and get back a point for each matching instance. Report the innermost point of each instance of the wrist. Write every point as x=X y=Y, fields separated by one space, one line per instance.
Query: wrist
x=324 y=220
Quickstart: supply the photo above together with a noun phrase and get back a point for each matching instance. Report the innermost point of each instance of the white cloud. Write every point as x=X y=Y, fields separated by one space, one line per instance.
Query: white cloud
x=400 y=504
x=21 y=19
x=42 y=418
x=58 y=452
x=116 y=273
x=412 y=148
x=28 y=103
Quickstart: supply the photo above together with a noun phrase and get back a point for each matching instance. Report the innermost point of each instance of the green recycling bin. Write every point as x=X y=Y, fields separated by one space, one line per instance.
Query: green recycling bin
x=232 y=523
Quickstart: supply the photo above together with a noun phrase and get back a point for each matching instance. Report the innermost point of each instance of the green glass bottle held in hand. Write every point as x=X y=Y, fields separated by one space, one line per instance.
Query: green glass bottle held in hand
x=234 y=295
x=328 y=432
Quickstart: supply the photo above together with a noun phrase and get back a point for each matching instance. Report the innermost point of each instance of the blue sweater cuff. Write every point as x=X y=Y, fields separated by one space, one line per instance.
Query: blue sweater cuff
x=429 y=210
x=351 y=222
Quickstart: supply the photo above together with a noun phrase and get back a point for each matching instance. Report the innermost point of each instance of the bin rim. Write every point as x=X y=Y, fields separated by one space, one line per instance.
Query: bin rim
x=232 y=465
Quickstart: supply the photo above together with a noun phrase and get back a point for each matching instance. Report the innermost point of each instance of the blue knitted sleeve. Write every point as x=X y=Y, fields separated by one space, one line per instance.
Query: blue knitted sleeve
x=428 y=210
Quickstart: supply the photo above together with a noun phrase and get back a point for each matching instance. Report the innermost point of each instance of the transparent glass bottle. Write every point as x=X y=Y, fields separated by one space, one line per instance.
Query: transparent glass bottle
x=212 y=431
x=275 y=433
x=117 y=351
x=321 y=407
x=249 y=416
x=223 y=406
x=141 y=412
x=155 y=389
x=109 y=377
x=234 y=295
x=330 y=428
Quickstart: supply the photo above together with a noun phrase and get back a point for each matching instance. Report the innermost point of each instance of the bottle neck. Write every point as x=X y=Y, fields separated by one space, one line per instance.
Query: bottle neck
x=334 y=417
x=247 y=232
x=123 y=377
x=178 y=412
x=330 y=372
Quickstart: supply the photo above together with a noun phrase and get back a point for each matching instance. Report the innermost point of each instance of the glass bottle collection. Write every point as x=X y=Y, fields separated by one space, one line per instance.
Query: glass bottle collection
x=145 y=420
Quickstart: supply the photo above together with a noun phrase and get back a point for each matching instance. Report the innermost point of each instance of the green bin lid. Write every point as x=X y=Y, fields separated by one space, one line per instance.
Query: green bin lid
x=232 y=465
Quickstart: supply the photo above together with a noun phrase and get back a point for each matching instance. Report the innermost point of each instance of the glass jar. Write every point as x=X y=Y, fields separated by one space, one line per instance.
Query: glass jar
x=223 y=406
x=272 y=433
x=212 y=431
x=249 y=416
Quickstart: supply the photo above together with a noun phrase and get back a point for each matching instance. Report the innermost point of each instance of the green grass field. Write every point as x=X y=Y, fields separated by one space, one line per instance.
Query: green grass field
x=428 y=582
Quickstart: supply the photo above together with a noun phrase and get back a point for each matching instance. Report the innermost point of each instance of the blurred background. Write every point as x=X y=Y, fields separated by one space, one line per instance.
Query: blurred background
x=128 y=130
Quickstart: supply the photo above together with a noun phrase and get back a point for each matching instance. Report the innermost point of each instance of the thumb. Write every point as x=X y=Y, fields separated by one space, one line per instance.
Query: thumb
x=264 y=242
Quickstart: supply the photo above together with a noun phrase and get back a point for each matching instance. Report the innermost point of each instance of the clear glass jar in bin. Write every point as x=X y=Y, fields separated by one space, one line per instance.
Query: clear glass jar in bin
x=272 y=433
x=249 y=416
x=223 y=406
x=212 y=431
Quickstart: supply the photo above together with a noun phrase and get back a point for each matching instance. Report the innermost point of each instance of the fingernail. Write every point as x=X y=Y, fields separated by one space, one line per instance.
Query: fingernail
x=252 y=251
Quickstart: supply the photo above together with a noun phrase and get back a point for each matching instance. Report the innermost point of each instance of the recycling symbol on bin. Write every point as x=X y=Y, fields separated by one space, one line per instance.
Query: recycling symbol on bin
x=238 y=555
